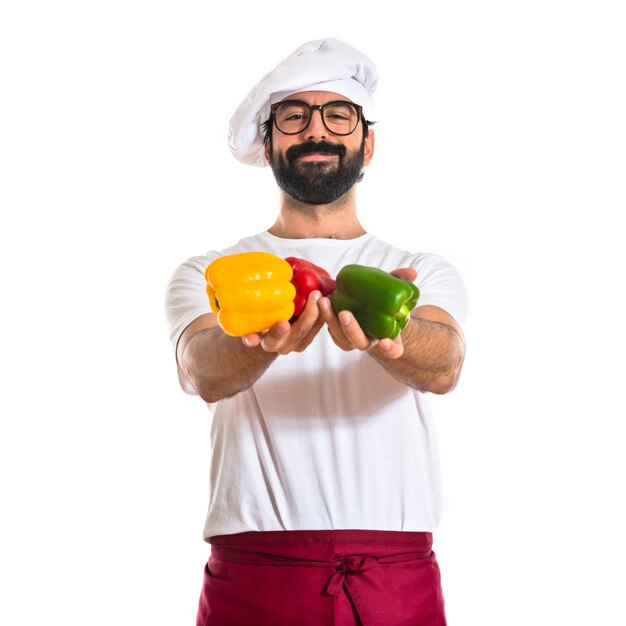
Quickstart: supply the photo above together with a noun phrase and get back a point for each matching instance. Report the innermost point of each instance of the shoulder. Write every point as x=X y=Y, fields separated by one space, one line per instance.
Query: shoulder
x=390 y=257
x=439 y=281
x=247 y=244
x=199 y=262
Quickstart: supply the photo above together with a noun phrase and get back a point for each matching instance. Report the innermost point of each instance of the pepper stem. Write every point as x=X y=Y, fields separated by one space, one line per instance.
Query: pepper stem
x=403 y=313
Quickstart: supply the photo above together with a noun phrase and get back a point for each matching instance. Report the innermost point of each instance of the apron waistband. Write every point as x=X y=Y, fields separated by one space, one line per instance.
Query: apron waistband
x=348 y=552
x=319 y=537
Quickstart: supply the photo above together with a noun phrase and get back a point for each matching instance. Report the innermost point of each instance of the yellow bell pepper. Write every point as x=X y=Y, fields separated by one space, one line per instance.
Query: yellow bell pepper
x=250 y=291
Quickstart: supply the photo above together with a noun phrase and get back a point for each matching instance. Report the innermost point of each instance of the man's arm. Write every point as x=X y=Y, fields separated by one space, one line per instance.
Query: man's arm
x=433 y=353
x=219 y=366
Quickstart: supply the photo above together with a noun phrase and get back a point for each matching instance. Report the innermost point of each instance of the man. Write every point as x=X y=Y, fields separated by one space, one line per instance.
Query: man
x=324 y=475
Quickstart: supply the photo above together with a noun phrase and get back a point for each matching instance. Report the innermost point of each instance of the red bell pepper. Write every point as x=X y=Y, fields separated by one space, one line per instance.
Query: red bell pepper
x=308 y=277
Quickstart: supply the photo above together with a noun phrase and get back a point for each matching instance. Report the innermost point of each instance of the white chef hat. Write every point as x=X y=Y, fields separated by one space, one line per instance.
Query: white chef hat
x=320 y=65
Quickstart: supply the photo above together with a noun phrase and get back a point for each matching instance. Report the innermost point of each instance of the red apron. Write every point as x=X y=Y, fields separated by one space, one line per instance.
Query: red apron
x=320 y=578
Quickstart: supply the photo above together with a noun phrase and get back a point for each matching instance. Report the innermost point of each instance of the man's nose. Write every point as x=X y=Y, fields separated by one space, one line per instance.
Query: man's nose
x=316 y=128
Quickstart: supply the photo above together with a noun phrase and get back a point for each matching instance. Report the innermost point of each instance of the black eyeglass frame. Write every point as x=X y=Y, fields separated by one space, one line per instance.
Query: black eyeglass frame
x=320 y=108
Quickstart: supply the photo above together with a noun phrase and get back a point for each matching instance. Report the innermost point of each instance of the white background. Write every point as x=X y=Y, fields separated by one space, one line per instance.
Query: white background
x=500 y=144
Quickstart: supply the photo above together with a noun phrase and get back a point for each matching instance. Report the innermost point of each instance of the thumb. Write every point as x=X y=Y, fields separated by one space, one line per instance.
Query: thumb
x=406 y=273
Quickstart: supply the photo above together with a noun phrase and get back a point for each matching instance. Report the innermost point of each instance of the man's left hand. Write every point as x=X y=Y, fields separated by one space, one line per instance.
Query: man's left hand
x=348 y=335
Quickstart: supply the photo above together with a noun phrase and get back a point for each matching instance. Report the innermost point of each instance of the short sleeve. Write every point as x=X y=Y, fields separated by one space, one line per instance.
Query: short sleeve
x=441 y=285
x=185 y=298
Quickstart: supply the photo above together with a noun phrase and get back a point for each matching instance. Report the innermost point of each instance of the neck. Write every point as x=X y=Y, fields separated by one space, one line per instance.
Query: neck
x=338 y=220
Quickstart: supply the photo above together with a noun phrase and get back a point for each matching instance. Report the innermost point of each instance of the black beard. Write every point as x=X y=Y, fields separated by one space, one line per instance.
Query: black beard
x=317 y=182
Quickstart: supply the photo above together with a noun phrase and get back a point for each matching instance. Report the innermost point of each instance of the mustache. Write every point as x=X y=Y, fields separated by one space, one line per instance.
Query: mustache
x=314 y=147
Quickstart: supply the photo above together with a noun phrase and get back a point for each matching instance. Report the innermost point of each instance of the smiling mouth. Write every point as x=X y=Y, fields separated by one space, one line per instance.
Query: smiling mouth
x=317 y=157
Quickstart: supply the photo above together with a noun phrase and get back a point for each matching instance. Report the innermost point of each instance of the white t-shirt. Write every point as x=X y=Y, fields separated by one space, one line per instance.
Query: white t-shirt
x=325 y=439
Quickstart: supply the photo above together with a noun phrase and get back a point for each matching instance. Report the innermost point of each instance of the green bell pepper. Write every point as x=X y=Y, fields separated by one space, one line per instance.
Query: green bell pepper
x=381 y=303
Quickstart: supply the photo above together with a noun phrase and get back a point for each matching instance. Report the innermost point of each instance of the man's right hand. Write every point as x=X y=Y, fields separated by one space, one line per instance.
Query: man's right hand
x=283 y=337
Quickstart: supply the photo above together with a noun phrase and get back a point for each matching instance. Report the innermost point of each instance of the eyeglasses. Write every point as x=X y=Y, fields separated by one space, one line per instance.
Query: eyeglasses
x=339 y=116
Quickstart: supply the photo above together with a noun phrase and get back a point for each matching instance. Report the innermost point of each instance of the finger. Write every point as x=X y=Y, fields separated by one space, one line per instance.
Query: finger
x=308 y=322
x=406 y=273
x=353 y=332
x=334 y=327
x=344 y=328
x=272 y=339
x=311 y=311
x=252 y=340
x=392 y=349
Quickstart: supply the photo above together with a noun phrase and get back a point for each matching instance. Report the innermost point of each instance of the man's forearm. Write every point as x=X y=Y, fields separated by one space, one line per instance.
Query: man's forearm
x=219 y=366
x=432 y=358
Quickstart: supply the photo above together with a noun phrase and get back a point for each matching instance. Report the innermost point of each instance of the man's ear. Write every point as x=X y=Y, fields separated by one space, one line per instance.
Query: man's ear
x=268 y=152
x=368 y=148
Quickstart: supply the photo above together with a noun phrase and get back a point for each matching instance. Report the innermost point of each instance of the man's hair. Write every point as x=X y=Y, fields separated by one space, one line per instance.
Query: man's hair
x=266 y=129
